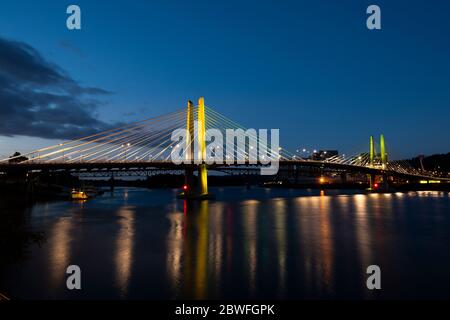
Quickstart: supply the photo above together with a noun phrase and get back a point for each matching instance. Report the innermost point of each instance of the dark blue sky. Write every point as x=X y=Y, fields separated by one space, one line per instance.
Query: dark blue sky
x=310 y=68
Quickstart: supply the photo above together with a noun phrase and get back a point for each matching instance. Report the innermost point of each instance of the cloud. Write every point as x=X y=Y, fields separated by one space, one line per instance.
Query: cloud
x=69 y=47
x=39 y=99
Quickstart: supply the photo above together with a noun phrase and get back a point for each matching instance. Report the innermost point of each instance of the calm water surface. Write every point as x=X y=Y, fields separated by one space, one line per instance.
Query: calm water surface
x=257 y=243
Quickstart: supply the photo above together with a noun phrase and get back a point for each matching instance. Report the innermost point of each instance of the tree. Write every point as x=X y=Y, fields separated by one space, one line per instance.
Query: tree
x=17 y=158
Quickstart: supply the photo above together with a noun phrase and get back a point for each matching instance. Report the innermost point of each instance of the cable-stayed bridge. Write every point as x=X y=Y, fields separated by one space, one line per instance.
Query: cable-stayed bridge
x=149 y=144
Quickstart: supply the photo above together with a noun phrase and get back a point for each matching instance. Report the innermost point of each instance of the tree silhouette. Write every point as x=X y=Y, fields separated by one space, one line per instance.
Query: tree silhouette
x=17 y=158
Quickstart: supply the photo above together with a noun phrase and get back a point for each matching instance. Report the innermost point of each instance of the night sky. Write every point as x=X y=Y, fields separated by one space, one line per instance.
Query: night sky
x=310 y=68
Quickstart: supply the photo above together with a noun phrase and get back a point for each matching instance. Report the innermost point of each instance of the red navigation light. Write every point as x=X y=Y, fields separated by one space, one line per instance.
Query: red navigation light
x=185 y=187
x=375 y=185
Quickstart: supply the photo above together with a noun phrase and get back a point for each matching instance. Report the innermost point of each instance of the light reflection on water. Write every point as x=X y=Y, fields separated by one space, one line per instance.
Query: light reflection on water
x=60 y=249
x=146 y=244
x=124 y=248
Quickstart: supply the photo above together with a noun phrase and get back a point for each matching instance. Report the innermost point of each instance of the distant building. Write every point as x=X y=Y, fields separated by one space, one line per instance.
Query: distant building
x=324 y=154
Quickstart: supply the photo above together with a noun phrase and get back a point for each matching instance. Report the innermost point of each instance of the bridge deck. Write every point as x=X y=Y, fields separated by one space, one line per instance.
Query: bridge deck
x=169 y=165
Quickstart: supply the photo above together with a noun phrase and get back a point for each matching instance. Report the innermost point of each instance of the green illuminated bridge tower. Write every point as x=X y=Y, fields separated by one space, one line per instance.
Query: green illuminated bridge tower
x=378 y=161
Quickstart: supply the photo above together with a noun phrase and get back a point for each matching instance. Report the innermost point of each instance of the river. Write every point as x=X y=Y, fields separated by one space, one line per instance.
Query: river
x=248 y=243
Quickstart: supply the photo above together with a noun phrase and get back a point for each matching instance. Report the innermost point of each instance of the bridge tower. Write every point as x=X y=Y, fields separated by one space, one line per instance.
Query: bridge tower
x=202 y=172
x=191 y=190
x=372 y=162
x=189 y=157
x=372 y=151
x=383 y=153
x=383 y=159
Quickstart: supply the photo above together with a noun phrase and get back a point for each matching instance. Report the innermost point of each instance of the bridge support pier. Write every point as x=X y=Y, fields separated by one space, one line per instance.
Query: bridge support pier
x=372 y=179
x=203 y=178
x=112 y=183
x=382 y=184
x=189 y=180
x=385 y=182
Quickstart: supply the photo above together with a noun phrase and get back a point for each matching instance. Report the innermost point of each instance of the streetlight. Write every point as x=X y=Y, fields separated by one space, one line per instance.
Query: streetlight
x=126 y=149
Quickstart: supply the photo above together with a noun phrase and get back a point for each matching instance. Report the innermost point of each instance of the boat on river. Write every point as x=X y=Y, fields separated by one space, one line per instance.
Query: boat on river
x=78 y=195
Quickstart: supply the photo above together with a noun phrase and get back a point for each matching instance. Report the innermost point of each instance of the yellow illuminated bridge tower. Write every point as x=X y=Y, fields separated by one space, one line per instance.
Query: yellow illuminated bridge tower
x=196 y=187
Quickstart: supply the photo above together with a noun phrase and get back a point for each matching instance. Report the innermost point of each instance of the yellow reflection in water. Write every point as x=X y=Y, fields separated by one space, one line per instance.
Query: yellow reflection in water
x=124 y=248
x=194 y=248
x=202 y=251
